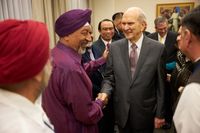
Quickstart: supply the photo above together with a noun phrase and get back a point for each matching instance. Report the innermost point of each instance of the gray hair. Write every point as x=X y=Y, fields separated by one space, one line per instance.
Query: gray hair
x=160 y=19
x=141 y=13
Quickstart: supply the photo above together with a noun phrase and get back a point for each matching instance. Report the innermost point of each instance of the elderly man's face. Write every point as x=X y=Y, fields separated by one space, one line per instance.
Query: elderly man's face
x=131 y=26
x=81 y=38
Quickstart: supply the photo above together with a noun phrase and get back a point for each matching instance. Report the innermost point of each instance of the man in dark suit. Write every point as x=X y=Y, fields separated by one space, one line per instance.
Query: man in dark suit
x=117 y=18
x=138 y=97
x=106 y=30
x=168 y=38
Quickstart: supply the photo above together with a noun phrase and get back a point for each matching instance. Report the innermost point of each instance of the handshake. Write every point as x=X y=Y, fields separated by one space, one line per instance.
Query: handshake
x=103 y=97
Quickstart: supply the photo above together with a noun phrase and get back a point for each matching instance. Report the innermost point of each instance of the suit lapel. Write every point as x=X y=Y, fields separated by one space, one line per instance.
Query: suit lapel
x=125 y=55
x=100 y=49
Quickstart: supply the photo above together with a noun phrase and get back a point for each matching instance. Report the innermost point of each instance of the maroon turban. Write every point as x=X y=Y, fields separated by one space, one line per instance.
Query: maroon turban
x=24 y=50
x=71 y=21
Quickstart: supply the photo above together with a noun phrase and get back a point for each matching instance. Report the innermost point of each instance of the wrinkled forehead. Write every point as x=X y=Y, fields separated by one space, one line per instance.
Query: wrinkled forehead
x=130 y=17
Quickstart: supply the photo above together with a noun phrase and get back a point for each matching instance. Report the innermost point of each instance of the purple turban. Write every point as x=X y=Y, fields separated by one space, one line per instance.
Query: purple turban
x=24 y=50
x=71 y=21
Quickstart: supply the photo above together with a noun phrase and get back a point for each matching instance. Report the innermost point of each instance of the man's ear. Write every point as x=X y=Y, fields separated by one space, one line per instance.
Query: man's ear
x=188 y=37
x=39 y=76
x=66 y=38
x=143 y=24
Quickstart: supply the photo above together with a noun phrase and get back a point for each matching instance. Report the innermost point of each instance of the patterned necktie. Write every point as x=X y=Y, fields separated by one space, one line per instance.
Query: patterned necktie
x=133 y=58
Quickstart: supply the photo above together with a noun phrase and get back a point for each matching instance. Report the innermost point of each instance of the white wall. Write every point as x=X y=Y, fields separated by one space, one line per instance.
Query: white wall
x=106 y=8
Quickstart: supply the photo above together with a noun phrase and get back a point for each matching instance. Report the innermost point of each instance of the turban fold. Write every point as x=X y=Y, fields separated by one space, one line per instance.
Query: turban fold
x=71 y=21
x=24 y=50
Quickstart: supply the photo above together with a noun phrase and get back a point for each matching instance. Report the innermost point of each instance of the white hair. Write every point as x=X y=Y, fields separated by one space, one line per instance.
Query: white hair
x=139 y=11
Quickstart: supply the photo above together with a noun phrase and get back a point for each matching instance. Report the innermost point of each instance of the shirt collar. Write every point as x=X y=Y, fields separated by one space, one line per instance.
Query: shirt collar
x=138 y=43
x=197 y=59
x=164 y=37
x=106 y=42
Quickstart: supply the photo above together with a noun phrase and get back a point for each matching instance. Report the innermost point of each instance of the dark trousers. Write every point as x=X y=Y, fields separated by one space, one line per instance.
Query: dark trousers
x=106 y=124
x=130 y=129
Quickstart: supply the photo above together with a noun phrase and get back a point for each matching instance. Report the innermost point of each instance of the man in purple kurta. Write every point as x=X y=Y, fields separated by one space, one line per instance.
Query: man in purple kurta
x=68 y=98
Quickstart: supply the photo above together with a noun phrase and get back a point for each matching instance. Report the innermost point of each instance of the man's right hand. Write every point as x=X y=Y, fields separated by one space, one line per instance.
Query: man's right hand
x=105 y=53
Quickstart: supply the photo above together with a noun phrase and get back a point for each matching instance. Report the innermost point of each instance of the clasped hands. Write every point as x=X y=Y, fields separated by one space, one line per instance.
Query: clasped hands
x=103 y=97
x=158 y=122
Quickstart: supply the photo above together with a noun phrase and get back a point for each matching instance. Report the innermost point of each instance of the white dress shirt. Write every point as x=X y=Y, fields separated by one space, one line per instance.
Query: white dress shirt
x=187 y=114
x=19 y=115
x=138 y=44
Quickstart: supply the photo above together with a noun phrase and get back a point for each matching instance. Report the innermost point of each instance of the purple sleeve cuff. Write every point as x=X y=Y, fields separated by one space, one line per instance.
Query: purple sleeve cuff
x=101 y=60
x=100 y=103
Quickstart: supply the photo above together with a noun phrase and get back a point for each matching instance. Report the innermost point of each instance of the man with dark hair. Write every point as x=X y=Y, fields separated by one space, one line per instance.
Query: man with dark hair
x=187 y=114
x=117 y=17
x=106 y=31
x=168 y=38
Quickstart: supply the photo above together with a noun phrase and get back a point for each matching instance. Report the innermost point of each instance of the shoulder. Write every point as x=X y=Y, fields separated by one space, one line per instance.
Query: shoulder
x=12 y=120
x=190 y=95
x=152 y=42
x=152 y=35
x=98 y=42
x=173 y=34
x=62 y=68
x=119 y=42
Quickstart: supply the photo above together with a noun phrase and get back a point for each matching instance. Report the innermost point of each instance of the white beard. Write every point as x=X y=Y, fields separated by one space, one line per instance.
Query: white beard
x=81 y=50
x=89 y=44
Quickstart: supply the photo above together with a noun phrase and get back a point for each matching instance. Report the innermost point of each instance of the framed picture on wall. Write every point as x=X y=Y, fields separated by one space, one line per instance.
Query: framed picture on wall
x=174 y=12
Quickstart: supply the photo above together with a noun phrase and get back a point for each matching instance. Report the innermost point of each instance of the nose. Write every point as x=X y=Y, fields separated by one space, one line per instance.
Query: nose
x=89 y=37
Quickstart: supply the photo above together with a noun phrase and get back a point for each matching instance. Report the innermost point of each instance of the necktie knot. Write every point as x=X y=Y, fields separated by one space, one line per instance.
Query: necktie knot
x=134 y=46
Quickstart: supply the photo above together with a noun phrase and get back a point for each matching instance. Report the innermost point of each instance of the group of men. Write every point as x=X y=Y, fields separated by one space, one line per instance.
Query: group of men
x=130 y=74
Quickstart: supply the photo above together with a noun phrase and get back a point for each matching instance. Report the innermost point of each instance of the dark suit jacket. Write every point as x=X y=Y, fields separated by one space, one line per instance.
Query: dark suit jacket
x=118 y=35
x=96 y=76
x=142 y=97
x=98 y=48
x=170 y=45
x=106 y=124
